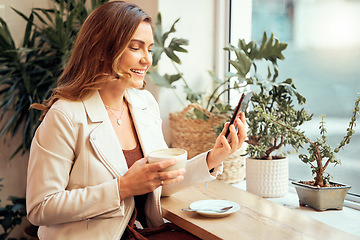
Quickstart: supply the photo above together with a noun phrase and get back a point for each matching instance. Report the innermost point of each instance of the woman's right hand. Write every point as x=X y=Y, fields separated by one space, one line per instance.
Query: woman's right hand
x=143 y=177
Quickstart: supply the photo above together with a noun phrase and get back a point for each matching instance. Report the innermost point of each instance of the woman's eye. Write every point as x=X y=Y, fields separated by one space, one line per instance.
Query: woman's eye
x=133 y=48
x=150 y=50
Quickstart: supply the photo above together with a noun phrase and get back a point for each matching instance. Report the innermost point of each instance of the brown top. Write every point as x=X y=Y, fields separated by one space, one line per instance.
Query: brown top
x=131 y=157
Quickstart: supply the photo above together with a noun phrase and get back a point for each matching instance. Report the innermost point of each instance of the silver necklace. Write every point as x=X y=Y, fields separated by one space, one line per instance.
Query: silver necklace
x=110 y=109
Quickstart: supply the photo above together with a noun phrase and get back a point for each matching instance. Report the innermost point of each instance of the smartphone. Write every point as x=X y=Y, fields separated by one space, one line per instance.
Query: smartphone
x=241 y=107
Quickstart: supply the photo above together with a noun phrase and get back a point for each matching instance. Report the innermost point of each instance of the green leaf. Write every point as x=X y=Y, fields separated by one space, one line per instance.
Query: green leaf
x=156 y=54
x=172 y=55
x=28 y=30
x=28 y=74
x=166 y=34
x=7 y=221
x=6 y=41
x=193 y=97
x=47 y=13
x=175 y=45
x=158 y=35
x=200 y=114
x=215 y=78
x=18 y=207
x=172 y=78
x=162 y=81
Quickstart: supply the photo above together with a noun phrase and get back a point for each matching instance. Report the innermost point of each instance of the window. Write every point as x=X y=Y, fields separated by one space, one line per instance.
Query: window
x=322 y=57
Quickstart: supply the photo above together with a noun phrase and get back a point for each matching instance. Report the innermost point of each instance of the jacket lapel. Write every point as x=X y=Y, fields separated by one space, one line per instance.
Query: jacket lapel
x=147 y=124
x=103 y=138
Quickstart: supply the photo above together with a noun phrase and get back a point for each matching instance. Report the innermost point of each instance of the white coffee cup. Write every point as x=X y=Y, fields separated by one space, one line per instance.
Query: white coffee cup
x=165 y=154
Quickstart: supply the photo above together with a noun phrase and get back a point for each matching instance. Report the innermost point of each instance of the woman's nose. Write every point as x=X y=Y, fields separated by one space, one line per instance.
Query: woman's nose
x=146 y=59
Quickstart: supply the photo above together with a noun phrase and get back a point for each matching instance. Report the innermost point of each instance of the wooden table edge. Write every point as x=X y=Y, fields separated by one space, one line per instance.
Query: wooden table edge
x=188 y=226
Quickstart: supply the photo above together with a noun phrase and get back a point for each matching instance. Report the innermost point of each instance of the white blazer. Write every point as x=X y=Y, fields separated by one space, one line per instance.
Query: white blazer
x=75 y=158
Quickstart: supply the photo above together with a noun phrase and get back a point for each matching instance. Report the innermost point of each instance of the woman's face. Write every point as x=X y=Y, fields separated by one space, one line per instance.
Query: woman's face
x=136 y=58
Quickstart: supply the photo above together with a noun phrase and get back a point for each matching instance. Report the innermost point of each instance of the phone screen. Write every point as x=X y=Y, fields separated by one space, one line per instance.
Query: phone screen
x=241 y=107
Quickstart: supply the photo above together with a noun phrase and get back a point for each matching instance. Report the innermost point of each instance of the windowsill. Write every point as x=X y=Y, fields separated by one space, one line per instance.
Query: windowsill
x=346 y=220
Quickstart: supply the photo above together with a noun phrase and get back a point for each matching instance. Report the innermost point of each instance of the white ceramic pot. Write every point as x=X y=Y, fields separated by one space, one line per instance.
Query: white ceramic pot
x=267 y=178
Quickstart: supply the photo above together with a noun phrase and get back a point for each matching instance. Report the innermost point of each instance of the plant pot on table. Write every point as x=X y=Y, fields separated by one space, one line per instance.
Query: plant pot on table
x=322 y=198
x=267 y=178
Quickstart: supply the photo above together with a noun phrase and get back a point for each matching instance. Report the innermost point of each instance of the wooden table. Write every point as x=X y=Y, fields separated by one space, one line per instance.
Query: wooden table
x=258 y=218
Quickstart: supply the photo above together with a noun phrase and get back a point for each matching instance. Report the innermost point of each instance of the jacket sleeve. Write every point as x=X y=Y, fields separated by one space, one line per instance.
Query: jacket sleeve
x=51 y=160
x=196 y=172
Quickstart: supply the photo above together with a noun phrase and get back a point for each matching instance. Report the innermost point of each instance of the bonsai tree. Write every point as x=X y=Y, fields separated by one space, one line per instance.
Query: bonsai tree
x=270 y=96
x=320 y=154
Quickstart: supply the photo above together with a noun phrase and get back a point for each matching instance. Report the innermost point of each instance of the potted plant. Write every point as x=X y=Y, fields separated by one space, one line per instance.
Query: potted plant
x=267 y=166
x=11 y=215
x=29 y=72
x=27 y=75
x=320 y=193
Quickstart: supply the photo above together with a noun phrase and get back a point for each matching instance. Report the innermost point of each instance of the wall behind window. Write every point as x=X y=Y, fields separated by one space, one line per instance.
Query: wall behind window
x=197 y=25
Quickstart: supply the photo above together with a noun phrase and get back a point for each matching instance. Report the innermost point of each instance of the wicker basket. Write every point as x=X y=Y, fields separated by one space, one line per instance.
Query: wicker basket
x=198 y=136
x=234 y=167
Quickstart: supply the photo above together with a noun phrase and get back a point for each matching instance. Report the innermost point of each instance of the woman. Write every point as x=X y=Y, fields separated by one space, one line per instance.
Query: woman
x=87 y=172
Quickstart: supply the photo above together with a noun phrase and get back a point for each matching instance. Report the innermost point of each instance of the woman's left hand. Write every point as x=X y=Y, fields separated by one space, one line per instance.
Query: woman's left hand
x=222 y=148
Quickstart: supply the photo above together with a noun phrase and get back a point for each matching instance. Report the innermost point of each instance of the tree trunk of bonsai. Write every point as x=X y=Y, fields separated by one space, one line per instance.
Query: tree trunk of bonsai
x=319 y=178
x=319 y=181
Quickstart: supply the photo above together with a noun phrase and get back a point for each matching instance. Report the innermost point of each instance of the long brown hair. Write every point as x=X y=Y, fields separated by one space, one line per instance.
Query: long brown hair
x=94 y=60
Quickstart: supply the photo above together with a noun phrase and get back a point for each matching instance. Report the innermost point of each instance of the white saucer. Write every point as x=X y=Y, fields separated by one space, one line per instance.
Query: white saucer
x=214 y=204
